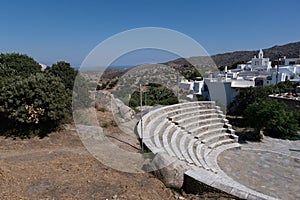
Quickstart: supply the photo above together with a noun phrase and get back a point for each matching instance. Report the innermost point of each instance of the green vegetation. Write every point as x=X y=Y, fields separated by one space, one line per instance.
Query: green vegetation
x=154 y=94
x=15 y=64
x=33 y=102
x=261 y=113
x=104 y=124
x=233 y=66
x=102 y=109
x=65 y=72
x=192 y=75
x=251 y=95
x=273 y=118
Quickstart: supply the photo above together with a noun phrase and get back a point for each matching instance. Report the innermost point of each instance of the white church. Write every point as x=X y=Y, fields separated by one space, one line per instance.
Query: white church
x=257 y=63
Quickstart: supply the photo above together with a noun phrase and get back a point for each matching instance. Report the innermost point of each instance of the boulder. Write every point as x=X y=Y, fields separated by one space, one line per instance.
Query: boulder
x=168 y=169
x=103 y=100
x=125 y=112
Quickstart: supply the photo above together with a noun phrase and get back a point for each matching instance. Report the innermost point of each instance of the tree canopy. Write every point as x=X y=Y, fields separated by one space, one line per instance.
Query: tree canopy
x=65 y=72
x=154 y=95
x=273 y=118
x=34 y=102
x=17 y=64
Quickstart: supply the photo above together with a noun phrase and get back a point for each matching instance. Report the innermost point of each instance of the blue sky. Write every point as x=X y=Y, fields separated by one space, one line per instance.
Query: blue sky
x=54 y=30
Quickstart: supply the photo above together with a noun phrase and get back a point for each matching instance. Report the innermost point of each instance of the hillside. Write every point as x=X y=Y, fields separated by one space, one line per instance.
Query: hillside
x=290 y=50
x=205 y=64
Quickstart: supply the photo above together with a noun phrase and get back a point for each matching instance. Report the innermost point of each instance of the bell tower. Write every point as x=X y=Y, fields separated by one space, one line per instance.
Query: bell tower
x=261 y=54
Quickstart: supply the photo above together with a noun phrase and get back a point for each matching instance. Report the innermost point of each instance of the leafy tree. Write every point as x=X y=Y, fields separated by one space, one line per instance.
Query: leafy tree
x=65 y=72
x=37 y=104
x=271 y=117
x=248 y=96
x=192 y=75
x=17 y=64
x=155 y=94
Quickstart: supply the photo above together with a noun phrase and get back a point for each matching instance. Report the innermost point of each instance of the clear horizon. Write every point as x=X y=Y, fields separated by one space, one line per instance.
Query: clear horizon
x=69 y=30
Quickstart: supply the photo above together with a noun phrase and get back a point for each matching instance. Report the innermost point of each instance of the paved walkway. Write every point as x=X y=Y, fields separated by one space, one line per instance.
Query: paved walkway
x=271 y=167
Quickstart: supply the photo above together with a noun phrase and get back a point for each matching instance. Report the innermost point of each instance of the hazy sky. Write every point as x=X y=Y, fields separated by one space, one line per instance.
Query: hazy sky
x=54 y=30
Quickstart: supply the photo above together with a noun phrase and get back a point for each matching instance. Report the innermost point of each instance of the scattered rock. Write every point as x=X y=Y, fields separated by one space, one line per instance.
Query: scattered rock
x=103 y=100
x=169 y=170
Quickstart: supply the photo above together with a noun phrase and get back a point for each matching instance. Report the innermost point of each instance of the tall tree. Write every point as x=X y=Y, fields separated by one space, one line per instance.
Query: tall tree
x=65 y=72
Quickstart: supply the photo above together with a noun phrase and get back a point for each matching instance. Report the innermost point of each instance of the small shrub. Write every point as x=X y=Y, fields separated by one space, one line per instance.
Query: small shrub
x=104 y=124
x=101 y=109
x=114 y=123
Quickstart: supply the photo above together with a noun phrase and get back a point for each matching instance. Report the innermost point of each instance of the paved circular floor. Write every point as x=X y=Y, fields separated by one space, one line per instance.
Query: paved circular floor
x=269 y=167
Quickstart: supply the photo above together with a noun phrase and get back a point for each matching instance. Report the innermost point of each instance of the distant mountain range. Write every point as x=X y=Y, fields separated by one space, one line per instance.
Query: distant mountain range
x=291 y=50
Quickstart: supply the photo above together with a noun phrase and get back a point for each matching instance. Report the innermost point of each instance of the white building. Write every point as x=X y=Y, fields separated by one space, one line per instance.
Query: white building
x=257 y=63
x=291 y=61
x=256 y=73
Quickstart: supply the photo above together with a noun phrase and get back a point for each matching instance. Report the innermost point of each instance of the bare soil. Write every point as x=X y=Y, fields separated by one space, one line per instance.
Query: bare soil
x=59 y=167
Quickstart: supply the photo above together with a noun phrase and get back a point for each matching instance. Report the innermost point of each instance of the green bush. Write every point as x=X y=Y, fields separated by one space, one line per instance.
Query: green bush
x=155 y=94
x=37 y=104
x=17 y=64
x=65 y=72
x=102 y=109
x=104 y=124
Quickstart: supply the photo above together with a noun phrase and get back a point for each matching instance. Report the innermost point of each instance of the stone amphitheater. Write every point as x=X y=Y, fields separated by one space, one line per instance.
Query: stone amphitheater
x=194 y=134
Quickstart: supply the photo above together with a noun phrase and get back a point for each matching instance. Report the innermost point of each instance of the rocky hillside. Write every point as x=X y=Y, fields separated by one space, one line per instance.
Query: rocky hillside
x=290 y=50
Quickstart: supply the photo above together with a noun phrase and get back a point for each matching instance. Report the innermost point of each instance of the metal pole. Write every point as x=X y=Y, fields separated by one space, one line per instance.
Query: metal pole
x=141 y=115
x=146 y=98
x=178 y=84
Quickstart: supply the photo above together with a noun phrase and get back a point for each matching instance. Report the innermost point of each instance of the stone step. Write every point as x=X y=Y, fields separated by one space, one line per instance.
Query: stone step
x=208 y=132
x=190 y=105
x=196 y=117
x=150 y=127
x=192 y=150
x=199 y=154
x=158 y=132
x=178 y=110
x=192 y=112
x=167 y=139
x=149 y=117
x=211 y=159
x=175 y=139
x=184 y=141
x=215 y=138
x=206 y=127
x=215 y=145
x=192 y=125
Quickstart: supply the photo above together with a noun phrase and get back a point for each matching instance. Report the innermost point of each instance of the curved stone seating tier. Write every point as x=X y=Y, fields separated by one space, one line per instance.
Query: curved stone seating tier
x=198 y=123
x=194 y=132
